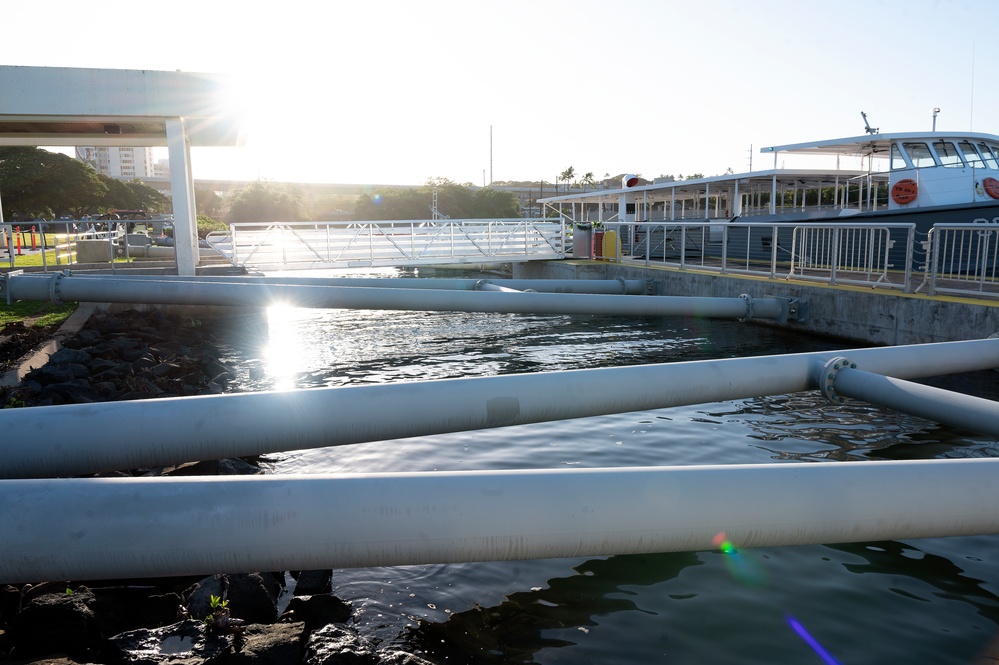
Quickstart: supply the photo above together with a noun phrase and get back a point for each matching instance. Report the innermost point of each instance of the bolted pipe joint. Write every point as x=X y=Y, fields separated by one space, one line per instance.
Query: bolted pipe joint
x=749 y=307
x=54 y=293
x=827 y=378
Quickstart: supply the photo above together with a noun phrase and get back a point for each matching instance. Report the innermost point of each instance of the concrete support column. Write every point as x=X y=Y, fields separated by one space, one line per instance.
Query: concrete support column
x=185 y=217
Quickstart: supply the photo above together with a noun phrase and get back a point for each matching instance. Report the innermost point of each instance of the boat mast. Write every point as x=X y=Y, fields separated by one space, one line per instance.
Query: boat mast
x=869 y=129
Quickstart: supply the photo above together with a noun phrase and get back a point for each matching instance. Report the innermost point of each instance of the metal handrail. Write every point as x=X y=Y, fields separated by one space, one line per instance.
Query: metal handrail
x=391 y=242
x=861 y=254
x=964 y=259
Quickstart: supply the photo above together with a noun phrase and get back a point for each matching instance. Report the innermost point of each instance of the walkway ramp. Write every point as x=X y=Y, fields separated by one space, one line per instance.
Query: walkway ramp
x=310 y=245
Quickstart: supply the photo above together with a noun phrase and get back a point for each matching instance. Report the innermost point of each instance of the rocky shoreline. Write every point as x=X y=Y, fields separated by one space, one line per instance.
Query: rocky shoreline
x=260 y=618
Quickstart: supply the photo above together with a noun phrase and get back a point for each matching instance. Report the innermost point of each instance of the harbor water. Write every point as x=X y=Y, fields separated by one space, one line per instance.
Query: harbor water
x=928 y=601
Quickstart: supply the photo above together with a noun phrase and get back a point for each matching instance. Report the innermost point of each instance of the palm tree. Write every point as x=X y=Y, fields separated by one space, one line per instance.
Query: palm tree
x=567 y=175
x=587 y=180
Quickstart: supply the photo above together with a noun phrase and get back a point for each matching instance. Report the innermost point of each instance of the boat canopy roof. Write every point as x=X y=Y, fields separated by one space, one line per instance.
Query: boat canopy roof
x=868 y=146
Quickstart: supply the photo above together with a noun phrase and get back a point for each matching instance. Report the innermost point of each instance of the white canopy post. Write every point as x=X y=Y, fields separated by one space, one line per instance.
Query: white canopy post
x=185 y=216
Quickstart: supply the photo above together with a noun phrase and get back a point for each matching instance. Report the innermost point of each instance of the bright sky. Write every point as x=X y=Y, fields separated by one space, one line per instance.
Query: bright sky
x=398 y=91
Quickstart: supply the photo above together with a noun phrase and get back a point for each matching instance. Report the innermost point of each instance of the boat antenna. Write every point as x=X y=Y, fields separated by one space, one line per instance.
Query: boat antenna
x=869 y=130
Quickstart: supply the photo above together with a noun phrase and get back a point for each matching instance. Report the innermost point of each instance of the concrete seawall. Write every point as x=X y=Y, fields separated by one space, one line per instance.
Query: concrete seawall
x=875 y=316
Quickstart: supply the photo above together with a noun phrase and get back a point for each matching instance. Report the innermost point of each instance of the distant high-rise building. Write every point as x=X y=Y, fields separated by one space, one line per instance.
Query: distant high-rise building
x=124 y=163
x=161 y=169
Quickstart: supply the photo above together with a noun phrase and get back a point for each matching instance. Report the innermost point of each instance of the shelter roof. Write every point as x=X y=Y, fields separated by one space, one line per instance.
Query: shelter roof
x=75 y=106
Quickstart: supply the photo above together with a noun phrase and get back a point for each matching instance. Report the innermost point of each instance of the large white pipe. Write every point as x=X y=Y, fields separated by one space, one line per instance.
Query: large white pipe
x=943 y=406
x=77 y=529
x=90 y=438
x=604 y=286
x=63 y=288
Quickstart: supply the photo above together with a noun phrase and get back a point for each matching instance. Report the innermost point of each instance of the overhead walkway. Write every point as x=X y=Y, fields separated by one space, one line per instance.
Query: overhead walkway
x=309 y=245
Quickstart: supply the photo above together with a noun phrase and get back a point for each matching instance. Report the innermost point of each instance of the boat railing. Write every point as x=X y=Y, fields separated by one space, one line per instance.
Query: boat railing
x=856 y=254
x=964 y=259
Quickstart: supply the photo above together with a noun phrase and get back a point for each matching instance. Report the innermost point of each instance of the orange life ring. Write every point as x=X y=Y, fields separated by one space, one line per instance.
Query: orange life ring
x=991 y=186
x=905 y=191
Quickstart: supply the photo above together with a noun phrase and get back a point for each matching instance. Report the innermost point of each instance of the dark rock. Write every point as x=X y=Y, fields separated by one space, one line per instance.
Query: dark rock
x=67 y=355
x=312 y=582
x=319 y=610
x=197 y=599
x=149 y=336
x=57 y=623
x=222 y=467
x=106 y=324
x=71 y=391
x=49 y=374
x=161 y=609
x=204 y=468
x=339 y=645
x=183 y=643
x=165 y=369
x=391 y=657
x=82 y=339
x=214 y=389
x=88 y=336
x=78 y=371
x=252 y=597
x=144 y=361
x=237 y=467
x=276 y=644
x=119 y=344
x=213 y=369
x=98 y=366
x=10 y=601
x=122 y=608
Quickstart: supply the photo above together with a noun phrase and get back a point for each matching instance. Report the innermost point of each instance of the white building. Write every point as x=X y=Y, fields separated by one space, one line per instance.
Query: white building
x=124 y=163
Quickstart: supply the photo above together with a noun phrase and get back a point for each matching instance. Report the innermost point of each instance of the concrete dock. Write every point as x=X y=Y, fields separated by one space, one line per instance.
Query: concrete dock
x=875 y=316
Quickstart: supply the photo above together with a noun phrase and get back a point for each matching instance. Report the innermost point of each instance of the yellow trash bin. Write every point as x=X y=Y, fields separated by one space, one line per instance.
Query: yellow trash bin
x=611 y=246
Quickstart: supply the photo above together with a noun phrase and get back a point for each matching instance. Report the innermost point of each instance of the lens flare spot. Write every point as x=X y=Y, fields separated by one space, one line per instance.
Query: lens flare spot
x=742 y=567
x=723 y=543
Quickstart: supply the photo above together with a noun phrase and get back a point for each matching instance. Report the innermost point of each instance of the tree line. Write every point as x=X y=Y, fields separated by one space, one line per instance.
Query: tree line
x=39 y=184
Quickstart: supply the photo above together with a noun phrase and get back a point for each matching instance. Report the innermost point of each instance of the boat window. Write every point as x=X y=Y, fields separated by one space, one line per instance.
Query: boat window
x=897 y=160
x=947 y=153
x=920 y=154
x=971 y=155
x=989 y=153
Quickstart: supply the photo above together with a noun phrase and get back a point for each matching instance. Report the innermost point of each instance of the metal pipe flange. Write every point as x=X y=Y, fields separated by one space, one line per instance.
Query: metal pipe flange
x=749 y=307
x=827 y=378
x=54 y=288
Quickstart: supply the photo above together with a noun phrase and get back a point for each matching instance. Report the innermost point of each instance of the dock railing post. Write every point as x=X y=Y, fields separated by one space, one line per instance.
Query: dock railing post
x=833 y=255
x=910 y=249
x=934 y=262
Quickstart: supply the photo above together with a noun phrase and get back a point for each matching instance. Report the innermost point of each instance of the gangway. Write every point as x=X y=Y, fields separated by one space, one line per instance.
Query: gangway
x=311 y=245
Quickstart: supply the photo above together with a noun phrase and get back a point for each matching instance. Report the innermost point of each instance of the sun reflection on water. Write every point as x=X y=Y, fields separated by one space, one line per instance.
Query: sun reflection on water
x=282 y=354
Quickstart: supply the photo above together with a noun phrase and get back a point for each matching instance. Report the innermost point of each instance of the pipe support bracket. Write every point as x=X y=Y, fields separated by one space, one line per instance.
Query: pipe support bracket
x=5 y=284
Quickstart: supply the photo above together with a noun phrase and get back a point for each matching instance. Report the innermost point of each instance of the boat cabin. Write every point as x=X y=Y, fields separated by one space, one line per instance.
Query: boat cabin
x=865 y=175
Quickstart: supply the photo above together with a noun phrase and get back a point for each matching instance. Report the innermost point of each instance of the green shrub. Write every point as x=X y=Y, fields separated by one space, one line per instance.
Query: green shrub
x=206 y=225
